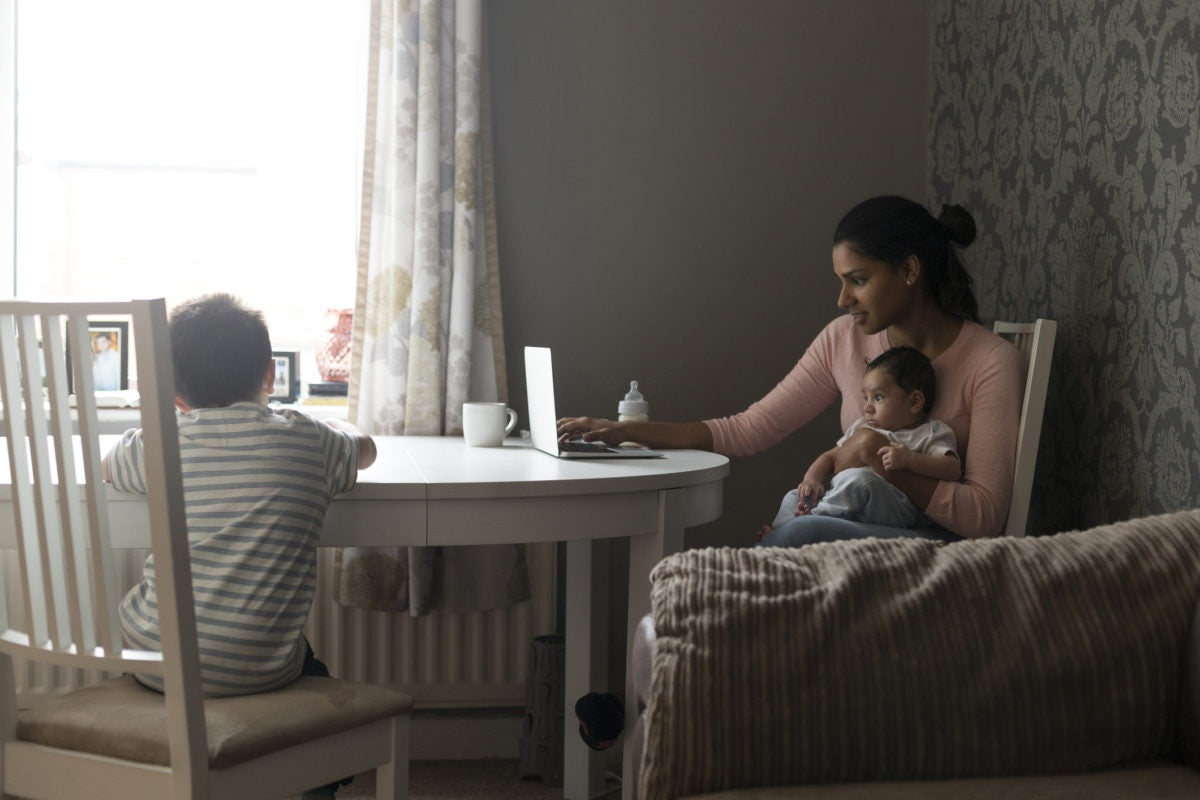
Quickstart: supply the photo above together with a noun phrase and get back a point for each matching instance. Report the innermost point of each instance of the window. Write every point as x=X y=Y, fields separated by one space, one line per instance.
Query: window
x=170 y=148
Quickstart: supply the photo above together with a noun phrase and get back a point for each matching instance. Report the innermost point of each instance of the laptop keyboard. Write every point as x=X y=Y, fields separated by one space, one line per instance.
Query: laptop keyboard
x=580 y=446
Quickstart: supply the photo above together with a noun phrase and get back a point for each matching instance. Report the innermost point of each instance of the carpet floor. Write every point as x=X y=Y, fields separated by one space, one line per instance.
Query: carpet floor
x=493 y=779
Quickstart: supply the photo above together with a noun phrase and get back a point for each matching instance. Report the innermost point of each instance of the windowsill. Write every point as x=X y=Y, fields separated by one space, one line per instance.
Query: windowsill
x=119 y=420
x=320 y=407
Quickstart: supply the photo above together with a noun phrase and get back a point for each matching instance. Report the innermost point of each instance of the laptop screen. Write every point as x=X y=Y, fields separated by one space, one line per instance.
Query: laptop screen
x=539 y=385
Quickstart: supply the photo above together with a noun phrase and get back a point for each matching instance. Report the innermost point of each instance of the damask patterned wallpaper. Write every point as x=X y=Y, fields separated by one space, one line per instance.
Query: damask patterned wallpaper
x=1071 y=130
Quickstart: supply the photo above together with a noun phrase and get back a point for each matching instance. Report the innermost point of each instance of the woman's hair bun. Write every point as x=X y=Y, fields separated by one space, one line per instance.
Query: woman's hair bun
x=958 y=223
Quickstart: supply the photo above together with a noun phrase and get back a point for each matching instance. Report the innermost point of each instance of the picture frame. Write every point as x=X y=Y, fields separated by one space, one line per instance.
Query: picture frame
x=287 y=376
x=109 y=356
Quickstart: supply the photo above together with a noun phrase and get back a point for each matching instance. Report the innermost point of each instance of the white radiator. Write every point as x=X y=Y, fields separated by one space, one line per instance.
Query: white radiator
x=472 y=660
x=443 y=660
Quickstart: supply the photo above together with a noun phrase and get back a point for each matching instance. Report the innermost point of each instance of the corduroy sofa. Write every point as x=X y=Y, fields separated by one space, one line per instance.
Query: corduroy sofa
x=1063 y=666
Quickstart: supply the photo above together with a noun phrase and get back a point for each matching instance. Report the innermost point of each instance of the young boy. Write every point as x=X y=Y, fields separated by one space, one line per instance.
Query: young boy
x=898 y=391
x=257 y=483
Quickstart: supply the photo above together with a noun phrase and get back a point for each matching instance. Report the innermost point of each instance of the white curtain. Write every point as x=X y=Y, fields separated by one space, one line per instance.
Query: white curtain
x=427 y=323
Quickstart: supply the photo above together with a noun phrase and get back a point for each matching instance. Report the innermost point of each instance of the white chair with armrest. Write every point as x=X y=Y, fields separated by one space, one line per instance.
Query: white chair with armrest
x=116 y=739
x=1035 y=340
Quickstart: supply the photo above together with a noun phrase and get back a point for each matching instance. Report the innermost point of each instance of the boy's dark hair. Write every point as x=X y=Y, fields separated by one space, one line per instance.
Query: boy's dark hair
x=910 y=369
x=221 y=349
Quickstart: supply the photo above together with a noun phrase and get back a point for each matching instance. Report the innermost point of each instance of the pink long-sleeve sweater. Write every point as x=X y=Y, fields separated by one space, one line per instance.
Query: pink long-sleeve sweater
x=979 y=389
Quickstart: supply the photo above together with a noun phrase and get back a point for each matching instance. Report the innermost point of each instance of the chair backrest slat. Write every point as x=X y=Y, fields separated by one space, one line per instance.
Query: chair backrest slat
x=1035 y=342
x=49 y=528
x=97 y=533
x=21 y=483
x=164 y=485
x=74 y=521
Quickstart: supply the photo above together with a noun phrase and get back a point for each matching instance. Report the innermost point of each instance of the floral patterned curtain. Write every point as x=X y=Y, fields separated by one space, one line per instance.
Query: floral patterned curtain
x=427 y=324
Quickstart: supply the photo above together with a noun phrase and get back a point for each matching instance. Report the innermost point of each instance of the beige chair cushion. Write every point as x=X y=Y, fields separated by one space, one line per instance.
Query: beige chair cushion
x=122 y=719
x=892 y=660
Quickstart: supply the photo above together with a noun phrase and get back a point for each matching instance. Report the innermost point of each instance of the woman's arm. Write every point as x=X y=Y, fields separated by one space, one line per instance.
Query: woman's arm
x=665 y=435
x=834 y=358
x=832 y=364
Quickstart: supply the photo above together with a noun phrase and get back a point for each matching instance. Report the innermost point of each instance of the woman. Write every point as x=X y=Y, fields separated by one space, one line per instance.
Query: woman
x=902 y=283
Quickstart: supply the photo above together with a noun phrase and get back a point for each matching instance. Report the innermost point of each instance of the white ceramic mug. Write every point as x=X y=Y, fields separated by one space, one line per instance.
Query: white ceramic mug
x=486 y=424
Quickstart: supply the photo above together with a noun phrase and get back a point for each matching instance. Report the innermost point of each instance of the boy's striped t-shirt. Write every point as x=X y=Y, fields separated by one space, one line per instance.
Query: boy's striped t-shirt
x=257 y=484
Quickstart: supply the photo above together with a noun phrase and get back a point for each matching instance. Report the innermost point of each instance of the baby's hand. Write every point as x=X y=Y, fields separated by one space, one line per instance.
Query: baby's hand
x=810 y=493
x=895 y=456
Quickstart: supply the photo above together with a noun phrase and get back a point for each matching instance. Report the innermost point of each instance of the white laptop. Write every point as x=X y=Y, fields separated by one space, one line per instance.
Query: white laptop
x=543 y=420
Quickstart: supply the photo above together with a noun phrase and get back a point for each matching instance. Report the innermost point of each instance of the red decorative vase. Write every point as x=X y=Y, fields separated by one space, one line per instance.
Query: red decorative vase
x=333 y=352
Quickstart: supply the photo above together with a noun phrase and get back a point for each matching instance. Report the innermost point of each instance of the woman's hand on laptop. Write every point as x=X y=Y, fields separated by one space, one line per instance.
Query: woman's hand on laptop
x=662 y=435
x=591 y=429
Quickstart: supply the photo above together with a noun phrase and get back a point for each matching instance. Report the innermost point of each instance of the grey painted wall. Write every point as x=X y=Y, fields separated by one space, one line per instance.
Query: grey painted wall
x=1072 y=130
x=669 y=173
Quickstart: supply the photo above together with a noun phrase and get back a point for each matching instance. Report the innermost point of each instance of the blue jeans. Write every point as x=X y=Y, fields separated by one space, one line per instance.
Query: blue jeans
x=862 y=494
x=811 y=529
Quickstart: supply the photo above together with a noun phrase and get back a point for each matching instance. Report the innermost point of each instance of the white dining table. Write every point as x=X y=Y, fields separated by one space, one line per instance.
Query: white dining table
x=435 y=490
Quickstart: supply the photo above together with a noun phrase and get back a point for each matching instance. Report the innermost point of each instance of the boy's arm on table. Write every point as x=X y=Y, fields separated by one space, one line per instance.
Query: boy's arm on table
x=366 y=445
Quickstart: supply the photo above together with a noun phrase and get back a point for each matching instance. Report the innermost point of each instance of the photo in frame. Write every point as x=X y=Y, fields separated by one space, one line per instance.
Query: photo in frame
x=287 y=376
x=108 y=356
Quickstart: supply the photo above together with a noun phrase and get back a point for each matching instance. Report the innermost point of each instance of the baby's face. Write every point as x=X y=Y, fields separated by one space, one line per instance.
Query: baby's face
x=886 y=405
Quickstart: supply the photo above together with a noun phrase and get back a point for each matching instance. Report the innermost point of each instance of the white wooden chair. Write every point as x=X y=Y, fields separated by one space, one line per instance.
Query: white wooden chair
x=115 y=739
x=1035 y=340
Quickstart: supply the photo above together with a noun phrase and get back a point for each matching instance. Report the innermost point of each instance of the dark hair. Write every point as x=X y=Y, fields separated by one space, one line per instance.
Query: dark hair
x=891 y=228
x=910 y=369
x=221 y=349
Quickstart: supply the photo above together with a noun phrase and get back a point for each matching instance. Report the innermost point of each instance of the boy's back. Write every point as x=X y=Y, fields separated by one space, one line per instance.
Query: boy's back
x=257 y=484
x=256 y=487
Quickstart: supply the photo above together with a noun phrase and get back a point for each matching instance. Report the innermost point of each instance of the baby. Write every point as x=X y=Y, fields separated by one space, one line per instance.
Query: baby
x=898 y=391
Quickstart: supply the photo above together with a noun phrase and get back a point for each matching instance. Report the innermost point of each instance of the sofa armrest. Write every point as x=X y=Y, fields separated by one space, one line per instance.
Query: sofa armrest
x=884 y=660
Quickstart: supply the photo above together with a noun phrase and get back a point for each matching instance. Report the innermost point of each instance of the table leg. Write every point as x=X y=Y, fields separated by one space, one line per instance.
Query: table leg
x=586 y=627
x=644 y=552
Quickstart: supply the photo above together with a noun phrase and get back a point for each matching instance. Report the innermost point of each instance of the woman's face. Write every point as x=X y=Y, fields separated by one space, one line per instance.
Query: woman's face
x=875 y=294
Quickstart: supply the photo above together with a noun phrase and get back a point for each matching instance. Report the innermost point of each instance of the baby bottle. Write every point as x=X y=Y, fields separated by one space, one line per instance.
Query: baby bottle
x=634 y=407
